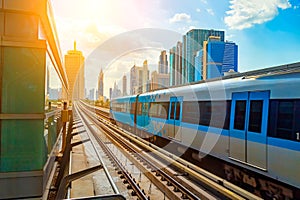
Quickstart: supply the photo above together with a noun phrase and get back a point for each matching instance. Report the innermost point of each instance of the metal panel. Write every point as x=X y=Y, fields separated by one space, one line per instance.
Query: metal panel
x=237 y=135
x=174 y=118
x=256 y=141
x=248 y=134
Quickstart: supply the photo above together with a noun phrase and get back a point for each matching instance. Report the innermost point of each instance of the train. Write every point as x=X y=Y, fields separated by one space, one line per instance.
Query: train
x=244 y=129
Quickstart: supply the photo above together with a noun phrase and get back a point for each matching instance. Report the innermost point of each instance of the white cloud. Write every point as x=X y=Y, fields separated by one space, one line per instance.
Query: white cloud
x=198 y=10
x=246 y=13
x=204 y=1
x=210 y=11
x=179 y=17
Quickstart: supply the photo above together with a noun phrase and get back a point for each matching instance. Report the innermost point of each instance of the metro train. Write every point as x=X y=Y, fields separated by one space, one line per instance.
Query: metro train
x=245 y=129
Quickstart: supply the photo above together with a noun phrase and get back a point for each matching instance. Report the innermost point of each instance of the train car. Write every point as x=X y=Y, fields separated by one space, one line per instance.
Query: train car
x=122 y=110
x=245 y=129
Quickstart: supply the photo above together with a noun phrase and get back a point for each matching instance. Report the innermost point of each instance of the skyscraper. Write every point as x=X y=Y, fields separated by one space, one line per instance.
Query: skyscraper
x=172 y=66
x=192 y=43
x=74 y=65
x=221 y=57
x=216 y=58
x=199 y=66
x=159 y=80
x=139 y=78
x=163 y=63
x=178 y=64
x=124 y=85
x=100 y=85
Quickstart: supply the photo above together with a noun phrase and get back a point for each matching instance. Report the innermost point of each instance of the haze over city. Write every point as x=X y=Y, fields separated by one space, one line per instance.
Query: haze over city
x=255 y=26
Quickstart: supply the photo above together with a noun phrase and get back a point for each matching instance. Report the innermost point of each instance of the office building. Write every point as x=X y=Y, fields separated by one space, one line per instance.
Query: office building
x=124 y=85
x=216 y=58
x=172 y=66
x=101 y=85
x=139 y=77
x=74 y=65
x=193 y=41
x=178 y=64
x=199 y=66
x=163 y=63
x=159 y=80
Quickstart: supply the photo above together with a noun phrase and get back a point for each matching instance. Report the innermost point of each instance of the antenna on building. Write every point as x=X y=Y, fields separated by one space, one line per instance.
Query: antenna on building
x=74 y=45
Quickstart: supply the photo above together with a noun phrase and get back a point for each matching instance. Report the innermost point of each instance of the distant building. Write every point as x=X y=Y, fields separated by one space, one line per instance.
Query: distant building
x=91 y=94
x=159 y=80
x=139 y=77
x=216 y=58
x=74 y=65
x=192 y=43
x=100 y=85
x=199 y=66
x=124 y=85
x=172 y=66
x=110 y=93
x=116 y=92
x=178 y=64
x=163 y=63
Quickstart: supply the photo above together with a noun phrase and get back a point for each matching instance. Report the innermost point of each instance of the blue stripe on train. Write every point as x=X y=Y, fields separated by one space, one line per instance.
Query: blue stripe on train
x=286 y=144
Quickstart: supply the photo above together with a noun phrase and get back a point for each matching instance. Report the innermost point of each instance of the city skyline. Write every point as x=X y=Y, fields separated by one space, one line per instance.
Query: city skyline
x=260 y=27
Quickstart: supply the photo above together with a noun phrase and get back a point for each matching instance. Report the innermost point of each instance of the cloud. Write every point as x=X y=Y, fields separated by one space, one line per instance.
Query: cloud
x=246 y=13
x=198 y=10
x=210 y=11
x=204 y=1
x=179 y=17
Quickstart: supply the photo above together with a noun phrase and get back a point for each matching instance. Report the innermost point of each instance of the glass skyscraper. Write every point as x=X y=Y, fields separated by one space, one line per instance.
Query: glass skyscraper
x=221 y=57
x=192 y=43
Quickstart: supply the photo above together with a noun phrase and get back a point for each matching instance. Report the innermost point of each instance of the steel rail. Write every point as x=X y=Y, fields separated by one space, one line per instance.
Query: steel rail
x=112 y=183
x=137 y=190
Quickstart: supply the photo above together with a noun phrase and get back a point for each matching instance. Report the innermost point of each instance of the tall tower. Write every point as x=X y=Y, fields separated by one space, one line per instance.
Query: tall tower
x=145 y=76
x=100 y=85
x=178 y=64
x=74 y=65
x=193 y=43
x=124 y=85
x=163 y=63
x=172 y=66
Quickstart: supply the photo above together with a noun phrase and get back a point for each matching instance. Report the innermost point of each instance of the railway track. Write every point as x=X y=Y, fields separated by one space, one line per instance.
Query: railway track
x=158 y=173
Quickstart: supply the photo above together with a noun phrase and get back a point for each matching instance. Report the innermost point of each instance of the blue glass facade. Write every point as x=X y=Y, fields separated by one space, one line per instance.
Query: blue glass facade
x=193 y=42
x=199 y=66
x=221 y=57
x=172 y=66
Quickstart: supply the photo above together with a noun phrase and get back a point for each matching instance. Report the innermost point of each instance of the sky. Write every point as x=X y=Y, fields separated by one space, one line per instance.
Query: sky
x=116 y=34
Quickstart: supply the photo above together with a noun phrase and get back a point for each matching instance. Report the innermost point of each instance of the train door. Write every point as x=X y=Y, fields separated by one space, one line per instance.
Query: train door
x=175 y=118
x=248 y=128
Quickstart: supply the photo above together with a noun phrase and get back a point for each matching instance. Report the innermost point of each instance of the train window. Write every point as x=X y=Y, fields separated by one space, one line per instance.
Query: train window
x=239 y=115
x=205 y=112
x=284 y=117
x=177 y=111
x=139 y=108
x=255 y=119
x=145 y=108
x=164 y=110
x=132 y=108
x=190 y=112
x=159 y=109
x=220 y=114
x=153 y=111
x=172 y=110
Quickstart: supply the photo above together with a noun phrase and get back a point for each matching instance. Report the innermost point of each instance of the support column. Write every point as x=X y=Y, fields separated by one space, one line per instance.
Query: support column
x=23 y=152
